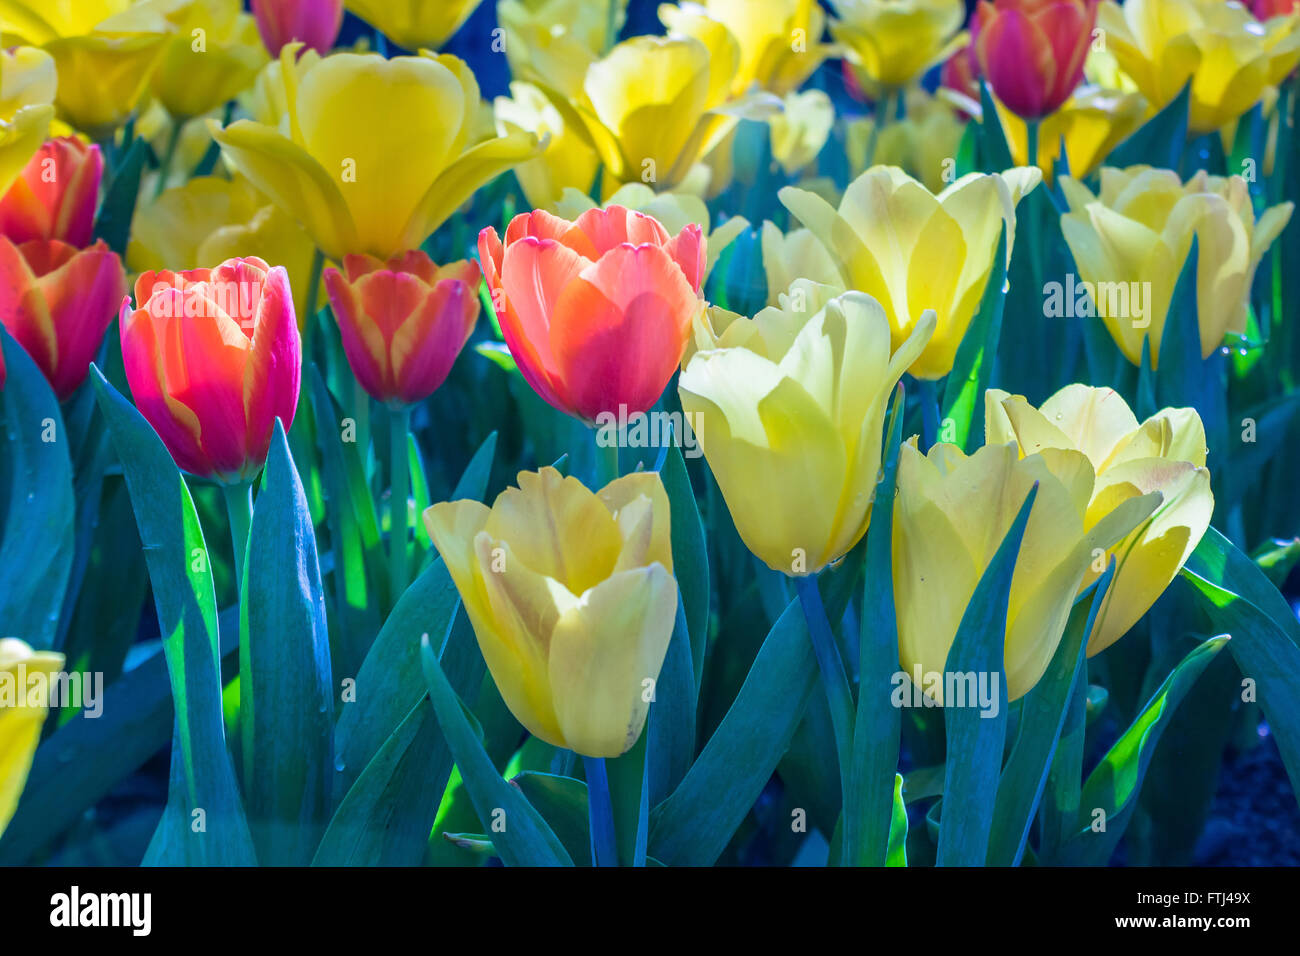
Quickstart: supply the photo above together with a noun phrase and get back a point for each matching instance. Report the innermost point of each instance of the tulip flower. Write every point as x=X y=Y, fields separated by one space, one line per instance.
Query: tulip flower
x=21 y=718
x=57 y=301
x=1032 y=51
x=315 y=22
x=403 y=322
x=27 y=85
x=572 y=597
x=211 y=219
x=790 y=407
x=950 y=516
x=1229 y=57
x=568 y=161
x=596 y=312
x=370 y=185
x=415 y=24
x=212 y=51
x=1166 y=453
x=1267 y=9
x=1092 y=123
x=778 y=41
x=657 y=106
x=553 y=42
x=791 y=256
x=1136 y=234
x=890 y=230
x=56 y=196
x=801 y=129
x=923 y=143
x=893 y=42
x=103 y=70
x=213 y=357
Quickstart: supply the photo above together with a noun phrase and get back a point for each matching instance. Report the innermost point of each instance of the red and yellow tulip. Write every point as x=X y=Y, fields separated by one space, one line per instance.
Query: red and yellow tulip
x=596 y=312
x=1032 y=51
x=56 y=195
x=213 y=357
x=403 y=322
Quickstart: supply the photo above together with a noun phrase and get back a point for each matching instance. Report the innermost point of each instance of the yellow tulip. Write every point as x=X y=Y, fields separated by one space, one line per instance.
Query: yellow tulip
x=923 y=143
x=1092 y=123
x=794 y=255
x=950 y=516
x=568 y=160
x=656 y=106
x=1229 y=56
x=369 y=185
x=801 y=129
x=415 y=24
x=674 y=210
x=102 y=72
x=1166 y=453
x=27 y=85
x=553 y=42
x=890 y=231
x=572 y=597
x=1135 y=237
x=789 y=408
x=779 y=40
x=213 y=50
x=210 y=219
x=893 y=42
x=21 y=719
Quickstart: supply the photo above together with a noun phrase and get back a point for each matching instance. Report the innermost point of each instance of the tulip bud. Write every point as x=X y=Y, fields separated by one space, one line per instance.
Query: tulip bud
x=56 y=195
x=572 y=598
x=21 y=719
x=403 y=323
x=57 y=301
x=213 y=357
x=596 y=312
x=950 y=516
x=1166 y=453
x=314 y=22
x=1032 y=51
x=790 y=406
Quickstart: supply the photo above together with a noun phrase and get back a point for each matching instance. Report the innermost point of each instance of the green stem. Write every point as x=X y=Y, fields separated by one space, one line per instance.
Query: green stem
x=606 y=462
x=600 y=813
x=308 y=322
x=398 y=566
x=173 y=141
x=1031 y=142
x=239 y=508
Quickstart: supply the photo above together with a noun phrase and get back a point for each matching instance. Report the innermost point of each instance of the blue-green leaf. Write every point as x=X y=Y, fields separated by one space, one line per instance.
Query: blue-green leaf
x=963 y=393
x=1160 y=140
x=286 y=713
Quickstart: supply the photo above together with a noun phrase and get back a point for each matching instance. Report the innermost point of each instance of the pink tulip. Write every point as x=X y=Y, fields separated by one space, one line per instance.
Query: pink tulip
x=315 y=22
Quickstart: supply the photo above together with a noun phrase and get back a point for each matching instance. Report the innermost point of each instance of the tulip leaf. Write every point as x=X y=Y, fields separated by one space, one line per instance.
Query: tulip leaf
x=113 y=224
x=37 y=526
x=975 y=734
x=896 y=852
x=473 y=481
x=1042 y=717
x=877 y=726
x=1239 y=599
x=286 y=713
x=995 y=151
x=963 y=394
x=690 y=554
x=562 y=801
x=525 y=839
x=181 y=572
x=694 y=824
x=1160 y=140
x=390 y=681
x=629 y=790
x=1110 y=793
x=353 y=533
x=671 y=724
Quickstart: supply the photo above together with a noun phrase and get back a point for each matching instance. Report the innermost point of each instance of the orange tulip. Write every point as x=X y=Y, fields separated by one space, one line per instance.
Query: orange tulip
x=213 y=357
x=57 y=301
x=56 y=195
x=403 y=322
x=596 y=312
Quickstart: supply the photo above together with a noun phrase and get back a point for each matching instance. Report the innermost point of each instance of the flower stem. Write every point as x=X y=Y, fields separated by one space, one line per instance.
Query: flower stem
x=606 y=461
x=604 y=847
x=838 y=694
x=239 y=508
x=168 y=157
x=398 y=567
